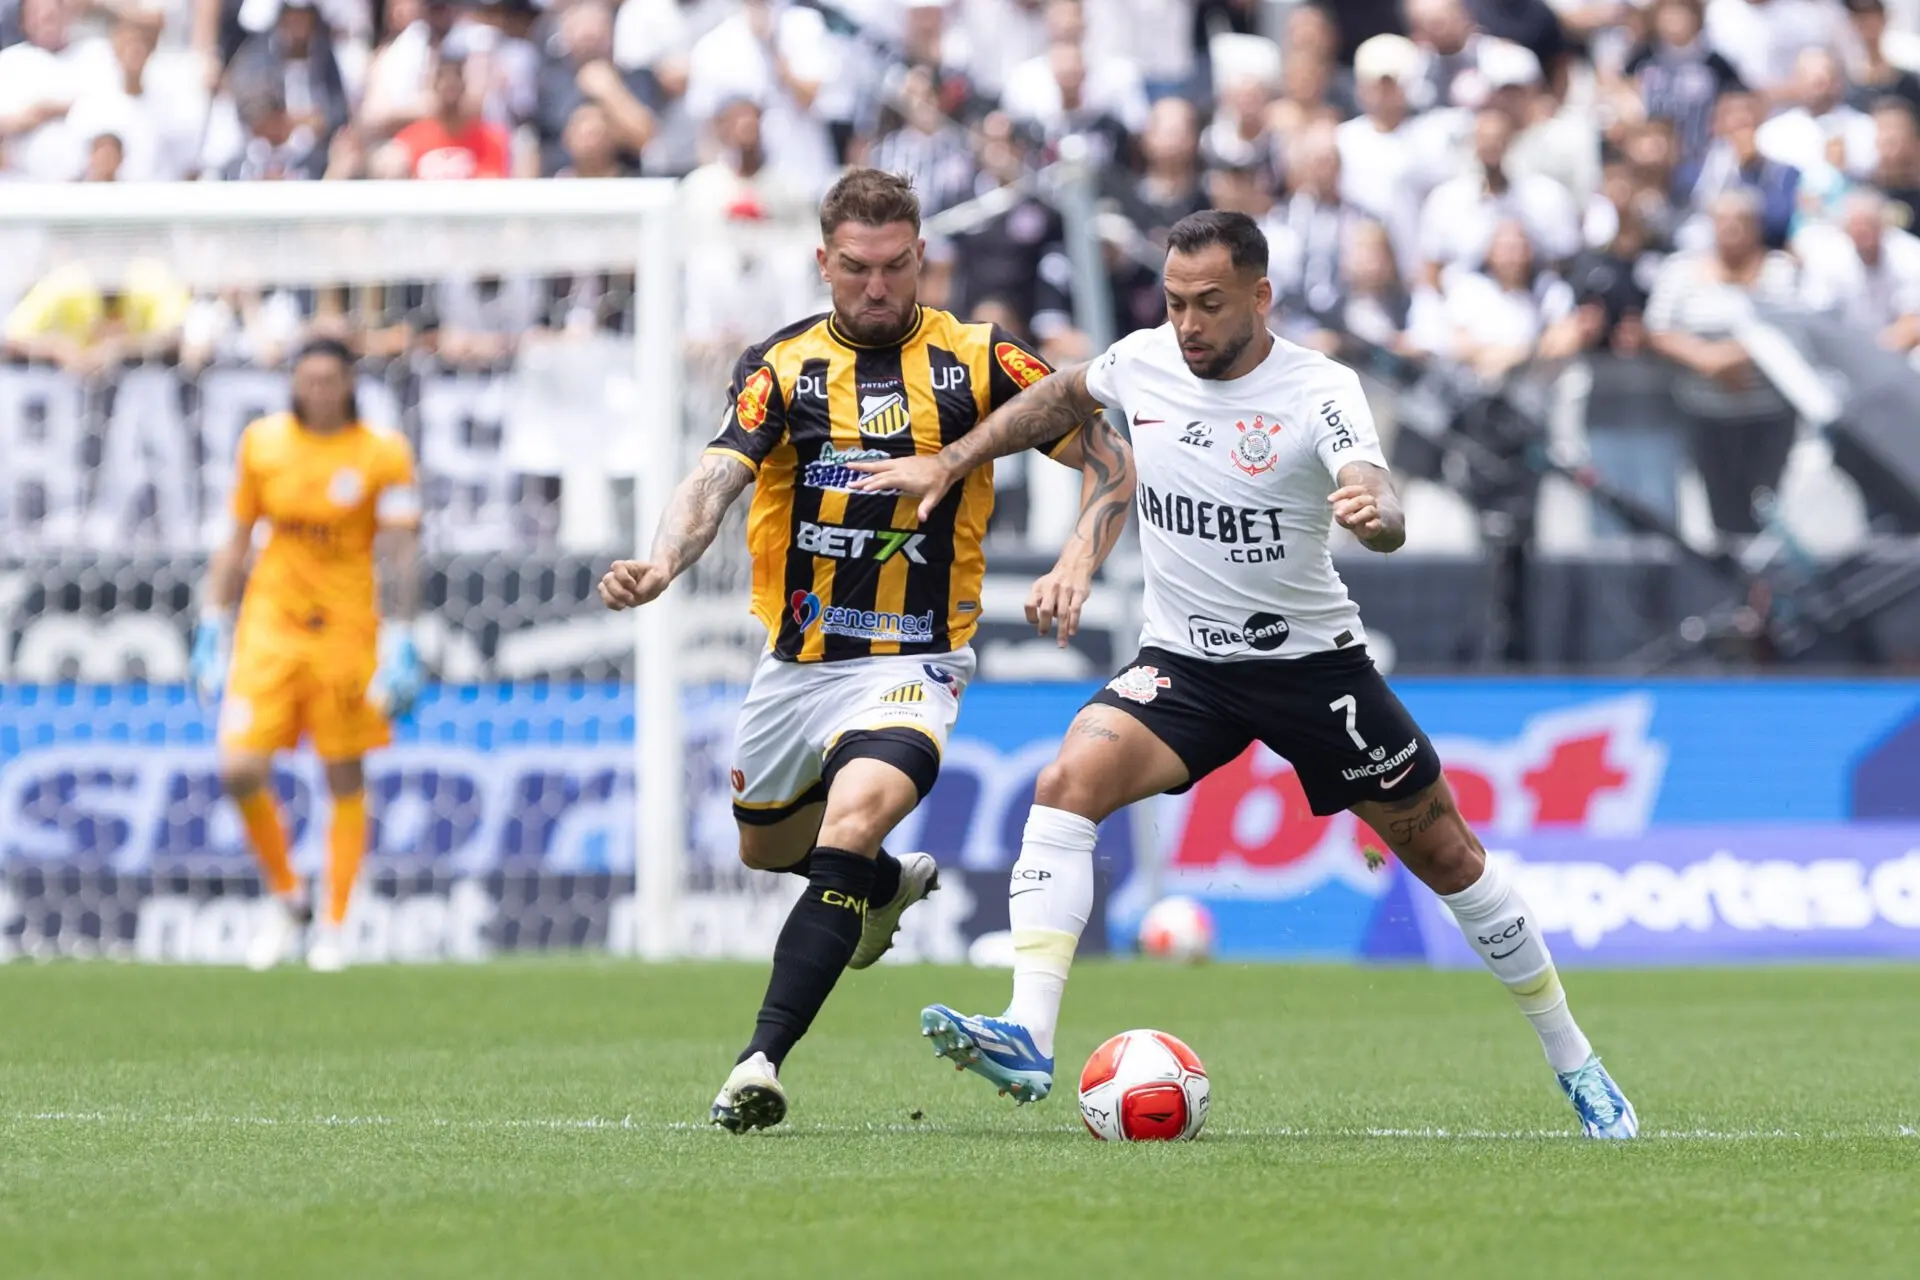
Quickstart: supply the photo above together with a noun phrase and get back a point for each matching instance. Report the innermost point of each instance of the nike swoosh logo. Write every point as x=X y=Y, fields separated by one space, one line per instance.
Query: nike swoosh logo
x=1396 y=780
x=1139 y=421
x=1502 y=955
x=1017 y=892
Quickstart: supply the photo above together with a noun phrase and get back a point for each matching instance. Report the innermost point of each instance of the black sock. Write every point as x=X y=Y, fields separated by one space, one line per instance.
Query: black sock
x=886 y=879
x=813 y=949
x=886 y=876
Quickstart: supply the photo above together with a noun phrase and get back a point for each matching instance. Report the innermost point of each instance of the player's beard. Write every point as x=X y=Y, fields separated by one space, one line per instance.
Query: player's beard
x=872 y=330
x=1224 y=358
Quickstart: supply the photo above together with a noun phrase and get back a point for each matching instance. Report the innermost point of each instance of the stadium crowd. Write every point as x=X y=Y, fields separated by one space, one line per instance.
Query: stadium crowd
x=1500 y=184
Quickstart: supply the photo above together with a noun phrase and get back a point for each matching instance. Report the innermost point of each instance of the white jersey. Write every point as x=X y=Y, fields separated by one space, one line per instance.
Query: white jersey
x=1234 y=481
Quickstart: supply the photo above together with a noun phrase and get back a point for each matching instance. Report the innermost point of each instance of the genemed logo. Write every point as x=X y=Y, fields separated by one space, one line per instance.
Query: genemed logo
x=806 y=608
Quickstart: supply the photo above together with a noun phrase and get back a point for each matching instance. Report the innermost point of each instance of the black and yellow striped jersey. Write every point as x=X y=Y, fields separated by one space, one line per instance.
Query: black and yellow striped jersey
x=839 y=574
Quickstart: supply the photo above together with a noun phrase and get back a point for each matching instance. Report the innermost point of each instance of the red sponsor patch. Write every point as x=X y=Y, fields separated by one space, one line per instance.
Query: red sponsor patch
x=1024 y=368
x=750 y=408
x=739 y=780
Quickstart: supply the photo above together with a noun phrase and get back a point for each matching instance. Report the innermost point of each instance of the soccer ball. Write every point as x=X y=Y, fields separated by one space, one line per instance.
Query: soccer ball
x=1143 y=1086
x=1177 y=928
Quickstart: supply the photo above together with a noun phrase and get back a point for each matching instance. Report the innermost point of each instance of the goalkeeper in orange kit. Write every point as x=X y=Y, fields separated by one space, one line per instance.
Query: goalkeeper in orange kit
x=309 y=656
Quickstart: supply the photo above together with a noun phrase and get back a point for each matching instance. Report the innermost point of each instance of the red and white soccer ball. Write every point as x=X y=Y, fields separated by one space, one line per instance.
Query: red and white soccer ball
x=1144 y=1086
x=1177 y=928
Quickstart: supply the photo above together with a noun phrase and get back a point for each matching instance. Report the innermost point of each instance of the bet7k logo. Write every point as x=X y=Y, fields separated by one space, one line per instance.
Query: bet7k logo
x=893 y=543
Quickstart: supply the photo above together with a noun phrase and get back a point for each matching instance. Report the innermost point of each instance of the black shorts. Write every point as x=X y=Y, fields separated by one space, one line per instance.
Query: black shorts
x=1331 y=715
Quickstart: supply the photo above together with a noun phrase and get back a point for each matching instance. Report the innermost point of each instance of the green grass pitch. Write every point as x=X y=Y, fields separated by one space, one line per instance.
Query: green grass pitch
x=548 y=1119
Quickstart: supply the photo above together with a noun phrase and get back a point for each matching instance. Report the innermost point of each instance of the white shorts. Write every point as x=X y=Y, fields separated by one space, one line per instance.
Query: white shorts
x=797 y=713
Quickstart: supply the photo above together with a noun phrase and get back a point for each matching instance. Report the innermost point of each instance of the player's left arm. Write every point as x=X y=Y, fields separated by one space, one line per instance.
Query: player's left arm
x=1107 y=480
x=1367 y=505
x=399 y=678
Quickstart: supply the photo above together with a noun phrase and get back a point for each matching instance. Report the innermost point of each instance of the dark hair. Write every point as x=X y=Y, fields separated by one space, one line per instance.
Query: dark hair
x=338 y=350
x=872 y=197
x=1239 y=233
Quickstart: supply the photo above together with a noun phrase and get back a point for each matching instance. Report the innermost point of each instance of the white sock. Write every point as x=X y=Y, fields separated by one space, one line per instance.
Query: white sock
x=1492 y=914
x=1049 y=899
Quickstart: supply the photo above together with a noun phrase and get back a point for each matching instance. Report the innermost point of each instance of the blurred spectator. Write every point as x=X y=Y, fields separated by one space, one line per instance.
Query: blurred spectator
x=1761 y=38
x=1312 y=80
x=1873 y=76
x=779 y=57
x=579 y=68
x=298 y=52
x=1307 y=230
x=1735 y=161
x=1066 y=109
x=657 y=37
x=504 y=50
x=274 y=145
x=1741 y=427
x=1679 y=76
x=1820 y=131
x=592 y=151
x=1507 y=313
x=1014 y=261
x=1864 y=272
x=1065 y=90
x=1457 y=222
x=1371 y=303
x=1611 y=285
x=745 y=183
x=1557 y=144
x=40 y=80
x=70 y=320
x=400 y=78
x=929 y=45
x=1169 y=187
x=1391 y=160
x=1240 y=135
x=1531 y=24
x=1155 y=36
x=1896 y=134
x=454 y=142
x=475 y=323
x=1000 y=36
x=1450 y=76
x=917 y=139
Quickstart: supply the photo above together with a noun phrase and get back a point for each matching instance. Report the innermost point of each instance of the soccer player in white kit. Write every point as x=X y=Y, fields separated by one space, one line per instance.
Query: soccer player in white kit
x=1248 y=449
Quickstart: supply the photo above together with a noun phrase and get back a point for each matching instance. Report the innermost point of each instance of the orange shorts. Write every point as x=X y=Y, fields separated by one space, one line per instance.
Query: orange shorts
x=279 y=692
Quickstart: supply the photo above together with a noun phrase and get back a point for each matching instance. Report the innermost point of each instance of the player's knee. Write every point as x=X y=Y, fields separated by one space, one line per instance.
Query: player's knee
x=344 y=777
x=1075 y=789
x=760 y=854
x=1451 y=861
x=241 y=778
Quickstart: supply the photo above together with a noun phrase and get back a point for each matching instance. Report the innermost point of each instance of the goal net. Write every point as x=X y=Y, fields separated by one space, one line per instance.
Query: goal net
x=557 y=353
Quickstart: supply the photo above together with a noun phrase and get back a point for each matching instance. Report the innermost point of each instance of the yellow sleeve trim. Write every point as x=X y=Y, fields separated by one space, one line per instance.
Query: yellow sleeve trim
x=1060 y=446
x=714 y=449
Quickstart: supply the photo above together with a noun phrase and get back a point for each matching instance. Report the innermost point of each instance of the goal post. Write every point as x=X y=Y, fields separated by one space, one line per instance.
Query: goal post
x=223 y=240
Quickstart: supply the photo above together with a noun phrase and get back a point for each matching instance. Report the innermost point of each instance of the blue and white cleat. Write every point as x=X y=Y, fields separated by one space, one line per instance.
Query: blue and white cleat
x=1604 y=1110
x=1000 y=1050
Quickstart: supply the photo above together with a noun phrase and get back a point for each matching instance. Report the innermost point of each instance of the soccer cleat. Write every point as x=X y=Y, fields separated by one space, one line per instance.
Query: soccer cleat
x=919 y=876
x=1000 y=1050
x=280 y=925
x=326 y=953
x=1604 y=1110
x=752 y=1097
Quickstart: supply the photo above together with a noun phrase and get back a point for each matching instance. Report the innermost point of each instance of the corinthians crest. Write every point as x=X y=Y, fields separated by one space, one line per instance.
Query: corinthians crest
x=1254 y=450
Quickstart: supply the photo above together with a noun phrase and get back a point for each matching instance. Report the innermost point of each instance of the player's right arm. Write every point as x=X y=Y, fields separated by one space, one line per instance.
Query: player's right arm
x=756 y=421
x=220 y=593
x=1047 y=410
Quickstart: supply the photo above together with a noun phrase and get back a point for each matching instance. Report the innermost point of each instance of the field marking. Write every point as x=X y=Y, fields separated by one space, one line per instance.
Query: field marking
x=628 y=1124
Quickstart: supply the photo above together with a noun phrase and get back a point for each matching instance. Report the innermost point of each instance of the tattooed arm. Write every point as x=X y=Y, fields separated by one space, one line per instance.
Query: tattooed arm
x=1106 y=494
x=1045 y=411
x=686 y=531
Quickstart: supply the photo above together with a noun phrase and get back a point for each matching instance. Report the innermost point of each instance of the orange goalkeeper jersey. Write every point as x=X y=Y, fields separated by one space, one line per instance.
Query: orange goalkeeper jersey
x=324 y=496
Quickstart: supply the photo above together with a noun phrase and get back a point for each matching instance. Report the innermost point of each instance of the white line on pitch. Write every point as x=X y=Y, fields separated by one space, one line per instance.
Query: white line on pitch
x=627 y=1123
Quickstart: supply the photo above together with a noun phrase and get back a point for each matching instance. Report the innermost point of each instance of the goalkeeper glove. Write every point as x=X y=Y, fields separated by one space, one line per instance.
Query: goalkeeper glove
x=212 y=647
x=397 y=682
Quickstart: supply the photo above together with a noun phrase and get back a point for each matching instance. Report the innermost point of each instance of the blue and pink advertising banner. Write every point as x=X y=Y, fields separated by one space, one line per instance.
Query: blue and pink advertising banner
x=1666 y=822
